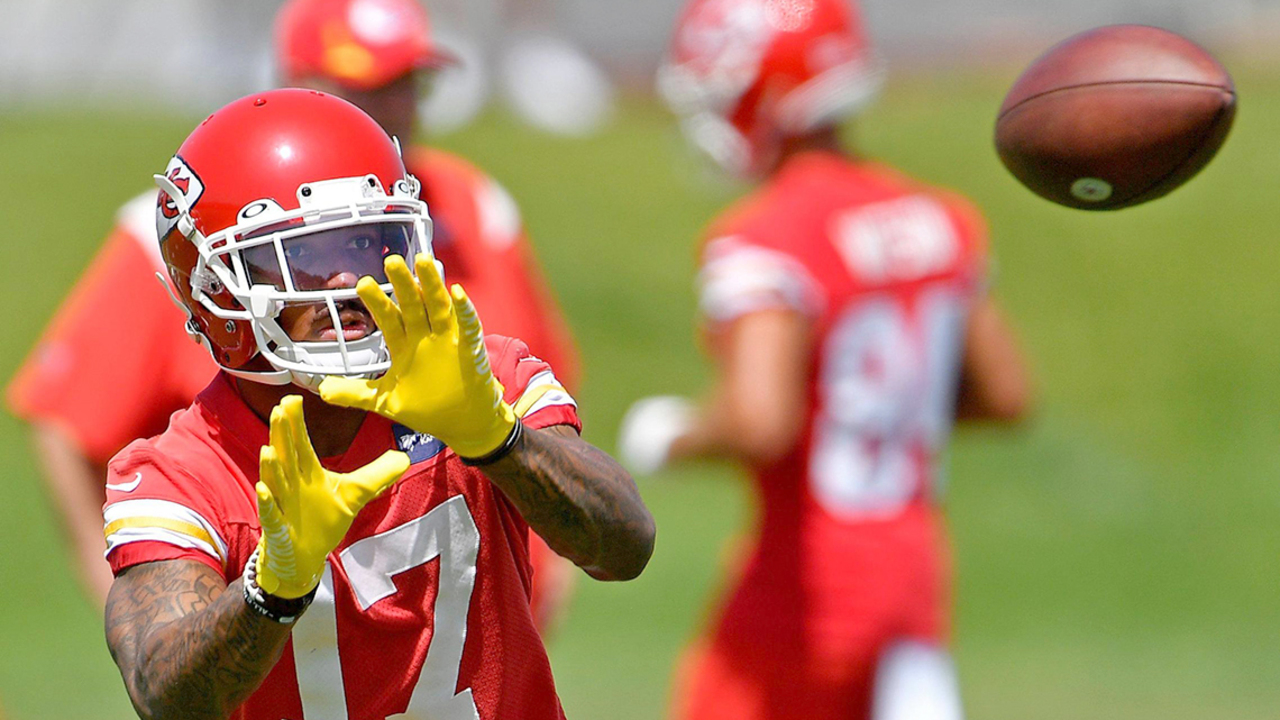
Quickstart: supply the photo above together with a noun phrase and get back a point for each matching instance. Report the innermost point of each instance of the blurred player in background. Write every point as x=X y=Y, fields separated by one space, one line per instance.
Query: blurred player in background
x=87 y=393
x=846 y=310
x=519 y=49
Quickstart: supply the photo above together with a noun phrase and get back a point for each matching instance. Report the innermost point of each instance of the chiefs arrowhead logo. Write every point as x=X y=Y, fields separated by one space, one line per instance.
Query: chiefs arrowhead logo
x=167 y=205
x=183 y=178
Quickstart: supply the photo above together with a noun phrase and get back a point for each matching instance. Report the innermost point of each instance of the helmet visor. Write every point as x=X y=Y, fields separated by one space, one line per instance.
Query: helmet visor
x=304 y=260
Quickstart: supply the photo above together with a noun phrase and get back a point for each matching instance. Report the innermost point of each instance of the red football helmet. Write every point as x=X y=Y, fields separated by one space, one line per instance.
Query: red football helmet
x=743 y=74
x=280 y=198
x=360 y=44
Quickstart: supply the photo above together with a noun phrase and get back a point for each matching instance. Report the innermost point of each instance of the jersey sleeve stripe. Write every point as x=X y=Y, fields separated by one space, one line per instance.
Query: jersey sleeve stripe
x=163 y=515
x=548 y=397
x=546 y=377
x=136 y=529
x=542 y=390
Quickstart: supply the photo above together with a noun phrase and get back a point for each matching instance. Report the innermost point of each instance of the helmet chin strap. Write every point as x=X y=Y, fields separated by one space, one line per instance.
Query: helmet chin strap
x=307 y=363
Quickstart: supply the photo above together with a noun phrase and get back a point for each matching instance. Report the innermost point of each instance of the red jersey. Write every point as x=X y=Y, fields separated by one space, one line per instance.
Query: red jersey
x=886 y=270
x=424 y=606
x=107 y=386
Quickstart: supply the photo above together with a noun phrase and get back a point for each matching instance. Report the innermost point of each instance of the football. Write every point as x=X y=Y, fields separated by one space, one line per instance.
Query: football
x=1114 y=117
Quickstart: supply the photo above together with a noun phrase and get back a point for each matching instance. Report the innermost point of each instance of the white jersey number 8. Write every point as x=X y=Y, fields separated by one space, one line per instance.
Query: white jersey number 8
x=886 y=393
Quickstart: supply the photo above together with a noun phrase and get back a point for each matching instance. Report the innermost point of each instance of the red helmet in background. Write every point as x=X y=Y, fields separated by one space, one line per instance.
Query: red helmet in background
x=359 y=44
x=743 y=74
x=285 y=197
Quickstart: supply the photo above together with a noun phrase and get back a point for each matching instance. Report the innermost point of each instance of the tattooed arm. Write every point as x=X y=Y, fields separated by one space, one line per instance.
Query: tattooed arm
x=579 y=500
x=187 y=645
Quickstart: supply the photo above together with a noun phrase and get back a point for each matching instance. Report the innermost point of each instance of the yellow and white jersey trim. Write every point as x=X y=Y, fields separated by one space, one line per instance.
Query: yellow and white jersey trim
x=542 y=391
x=130 y=521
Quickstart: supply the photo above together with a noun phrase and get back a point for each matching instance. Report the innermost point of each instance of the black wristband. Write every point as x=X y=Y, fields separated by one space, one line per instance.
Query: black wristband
x=278 y=609
x=502 y=450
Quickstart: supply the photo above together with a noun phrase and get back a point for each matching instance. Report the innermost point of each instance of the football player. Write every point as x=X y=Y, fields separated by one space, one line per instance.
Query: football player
x=87 y=394
x=338 y=525
x=846 y=309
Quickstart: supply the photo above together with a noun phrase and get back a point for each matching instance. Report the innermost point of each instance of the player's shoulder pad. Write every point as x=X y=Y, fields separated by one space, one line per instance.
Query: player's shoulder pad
x=753 y=220
x=143 y=470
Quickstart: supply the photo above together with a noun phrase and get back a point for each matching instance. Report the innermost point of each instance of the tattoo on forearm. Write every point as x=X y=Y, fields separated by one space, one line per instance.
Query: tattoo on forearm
x=187 y=646
x=579 y=500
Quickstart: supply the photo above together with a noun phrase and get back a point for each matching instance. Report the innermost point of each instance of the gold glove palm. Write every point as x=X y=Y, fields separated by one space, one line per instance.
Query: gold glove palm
x=306 y=510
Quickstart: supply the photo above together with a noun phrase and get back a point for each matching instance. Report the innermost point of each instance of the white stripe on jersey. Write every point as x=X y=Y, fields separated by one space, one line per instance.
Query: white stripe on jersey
x=546 y=377
x=542 y=391
x=127 y=535
x=123 y=519
x=551 y=398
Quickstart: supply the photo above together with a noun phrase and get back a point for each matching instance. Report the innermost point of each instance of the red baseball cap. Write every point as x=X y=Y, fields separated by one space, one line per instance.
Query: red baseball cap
x=359 y=44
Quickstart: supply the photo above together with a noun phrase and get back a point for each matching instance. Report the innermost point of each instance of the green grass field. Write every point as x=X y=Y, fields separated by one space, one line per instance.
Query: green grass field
x=1116 y=559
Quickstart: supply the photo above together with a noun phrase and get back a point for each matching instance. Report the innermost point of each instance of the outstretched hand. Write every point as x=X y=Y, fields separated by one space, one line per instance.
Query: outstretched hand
x=440 y=382
x=306 y=510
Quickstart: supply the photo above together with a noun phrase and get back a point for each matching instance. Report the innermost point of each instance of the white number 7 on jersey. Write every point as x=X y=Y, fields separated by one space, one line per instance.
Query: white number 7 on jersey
x=447 y=532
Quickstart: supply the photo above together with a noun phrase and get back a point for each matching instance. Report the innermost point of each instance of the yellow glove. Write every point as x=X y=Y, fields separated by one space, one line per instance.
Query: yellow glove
x=306 y=510
x=440 y=382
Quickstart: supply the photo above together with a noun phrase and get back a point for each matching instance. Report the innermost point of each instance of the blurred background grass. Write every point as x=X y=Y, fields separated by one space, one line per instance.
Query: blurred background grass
x=1116 y=559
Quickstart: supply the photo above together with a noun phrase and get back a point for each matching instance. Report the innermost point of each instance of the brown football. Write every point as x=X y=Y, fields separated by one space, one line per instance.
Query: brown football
x=1114 y=117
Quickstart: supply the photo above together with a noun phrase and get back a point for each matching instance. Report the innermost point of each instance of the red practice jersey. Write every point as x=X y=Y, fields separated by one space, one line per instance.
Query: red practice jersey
x=424 y=606
x=848 y=548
